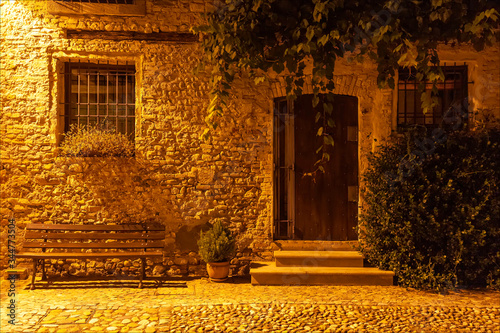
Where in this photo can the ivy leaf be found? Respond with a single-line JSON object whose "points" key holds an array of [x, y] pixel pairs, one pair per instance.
{"points": [[320, 131], [318, 116], [437, 3], [296, 34], [327, 139], [310, 33], [427, 101], [256, 5], [328, 107], [323, 40], [315, 101]]}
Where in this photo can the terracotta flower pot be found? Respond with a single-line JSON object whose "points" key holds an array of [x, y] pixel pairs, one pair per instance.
{"points": [[218, 271]]}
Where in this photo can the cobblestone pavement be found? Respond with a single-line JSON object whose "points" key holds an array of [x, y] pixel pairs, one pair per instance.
{"points": [[198, 305]]}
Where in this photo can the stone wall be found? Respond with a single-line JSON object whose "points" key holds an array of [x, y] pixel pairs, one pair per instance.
{"points": [[175, 178]]}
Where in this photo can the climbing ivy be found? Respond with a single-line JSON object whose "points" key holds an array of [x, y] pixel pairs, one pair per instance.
{"points": [[259, 37]]}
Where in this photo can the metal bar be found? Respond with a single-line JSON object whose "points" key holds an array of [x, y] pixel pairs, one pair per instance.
{"points": [[445, 96], [107, 94], [88, 92], [97, 94], [406, 102], [117, 93], [415, 102], [126, 97], [78, 92], [465, 87], [67, 95]]}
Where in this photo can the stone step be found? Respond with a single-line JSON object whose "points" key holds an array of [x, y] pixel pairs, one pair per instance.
{"points": [[266, 273], [293, 245], [318, 258]]}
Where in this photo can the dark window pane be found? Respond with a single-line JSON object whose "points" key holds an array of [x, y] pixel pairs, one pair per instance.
{"points": [[122, 110], [83, 110], [103, 110], [111, 110]]}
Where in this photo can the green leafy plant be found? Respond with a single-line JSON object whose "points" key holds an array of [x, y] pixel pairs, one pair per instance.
{"points": [[216, 244], [96, 141], [432, 210]]}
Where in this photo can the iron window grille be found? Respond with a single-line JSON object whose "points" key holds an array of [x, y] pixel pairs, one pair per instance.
{"points": [[101, 94], [122, 2], [452, 97]]}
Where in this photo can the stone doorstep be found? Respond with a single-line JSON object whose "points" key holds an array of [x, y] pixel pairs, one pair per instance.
{"points": [[300, 245], [267, 273], [20, 273], [318, 258]]}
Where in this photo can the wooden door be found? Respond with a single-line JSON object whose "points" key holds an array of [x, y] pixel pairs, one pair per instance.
{"points": [[323, 207]]}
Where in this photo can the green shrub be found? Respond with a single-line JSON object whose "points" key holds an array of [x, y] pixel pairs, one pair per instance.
{"points": [[432, 210], [95, 141], [217, 244]]}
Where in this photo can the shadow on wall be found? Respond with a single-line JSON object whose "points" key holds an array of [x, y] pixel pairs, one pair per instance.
{"points": [[120, 190], [186, 237]]}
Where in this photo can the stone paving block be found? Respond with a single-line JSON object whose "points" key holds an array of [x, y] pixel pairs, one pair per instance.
{"points": [[62, 317]]}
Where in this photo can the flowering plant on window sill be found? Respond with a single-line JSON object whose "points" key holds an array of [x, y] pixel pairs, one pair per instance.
{"points": [[95, 141]]}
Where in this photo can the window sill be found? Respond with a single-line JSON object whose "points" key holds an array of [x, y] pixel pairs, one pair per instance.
{"points": [[81, 8]]}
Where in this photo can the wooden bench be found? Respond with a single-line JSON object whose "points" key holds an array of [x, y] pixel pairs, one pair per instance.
{"points": [[85, 241]]}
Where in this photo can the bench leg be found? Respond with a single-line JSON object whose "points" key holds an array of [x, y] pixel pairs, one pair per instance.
{"points": [[35, 264], [143, 269], [44, 276]]}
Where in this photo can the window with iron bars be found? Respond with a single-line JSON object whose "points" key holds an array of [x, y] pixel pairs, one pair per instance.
{"points": [[101, 94], [124, 2], [452, 97]]}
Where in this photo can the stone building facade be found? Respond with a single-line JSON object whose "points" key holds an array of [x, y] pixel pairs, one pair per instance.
{"points": [[176, 178]]}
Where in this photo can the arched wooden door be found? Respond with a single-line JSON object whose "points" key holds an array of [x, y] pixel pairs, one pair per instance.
{"points": [[323, 207]]}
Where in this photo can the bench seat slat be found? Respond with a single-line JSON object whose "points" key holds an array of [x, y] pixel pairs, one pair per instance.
{"points": [[94, 235], [64, 255], [93, 245], [95, 227]]}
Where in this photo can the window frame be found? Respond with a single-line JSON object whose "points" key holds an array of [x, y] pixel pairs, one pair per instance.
{"points": [[127, 70], [460, 86]]}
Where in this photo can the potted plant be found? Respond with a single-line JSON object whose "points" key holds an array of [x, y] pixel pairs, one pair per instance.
{"points": [[216, 247]]}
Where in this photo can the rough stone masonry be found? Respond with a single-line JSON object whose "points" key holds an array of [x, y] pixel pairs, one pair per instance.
{"points": [[175, 177]]}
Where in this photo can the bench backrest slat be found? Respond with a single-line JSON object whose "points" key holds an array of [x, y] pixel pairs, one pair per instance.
{"points": [[85, 236], [34, 235], [94, 245]]}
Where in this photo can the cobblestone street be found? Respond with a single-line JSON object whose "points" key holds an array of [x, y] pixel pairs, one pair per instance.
{"points": [[236, 306]]}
